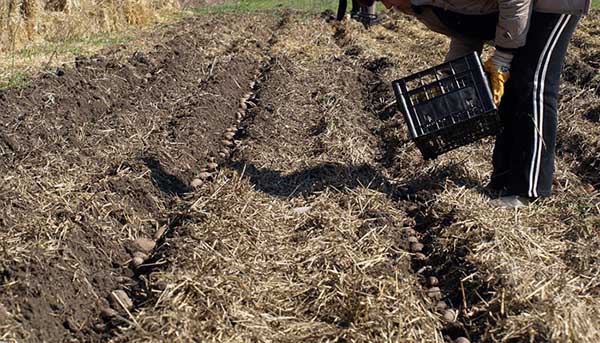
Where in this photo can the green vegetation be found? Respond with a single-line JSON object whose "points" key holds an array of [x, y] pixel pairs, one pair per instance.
{"points": [[269, 5], [74, 45], [596, 4], [17, 80]]}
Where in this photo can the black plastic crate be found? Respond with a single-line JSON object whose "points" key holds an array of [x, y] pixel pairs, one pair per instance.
{"points": [[447, 106]]}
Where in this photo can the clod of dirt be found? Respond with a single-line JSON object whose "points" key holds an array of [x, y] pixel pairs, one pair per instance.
{"points": [[108, 312], [461, 340], [196, 183], [416, 247], [434, 293], [229, 135], [204, 175], [450, 315], [243, 105], [121, 299], [227, 143], [144, 244], [420, 256], [413, 239], [212, 166], [433, 281], [441, 306], [232, 129]]}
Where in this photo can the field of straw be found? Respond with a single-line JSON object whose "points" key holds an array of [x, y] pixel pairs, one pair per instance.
{"points": [[245, 177], [34, 21]]}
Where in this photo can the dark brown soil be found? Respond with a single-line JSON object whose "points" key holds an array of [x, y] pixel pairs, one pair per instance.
{"points": [[124, 135]]}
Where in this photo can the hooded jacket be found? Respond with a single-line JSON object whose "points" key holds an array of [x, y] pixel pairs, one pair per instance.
{"points": [[513, 15]]}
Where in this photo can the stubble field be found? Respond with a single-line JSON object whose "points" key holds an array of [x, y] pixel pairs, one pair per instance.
{"points": [[245, 177]]}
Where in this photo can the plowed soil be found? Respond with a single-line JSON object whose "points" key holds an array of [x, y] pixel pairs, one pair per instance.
{"points": [[261, 160]]}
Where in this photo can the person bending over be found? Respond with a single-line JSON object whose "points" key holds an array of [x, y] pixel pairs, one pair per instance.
{"points": [[530, 40]]}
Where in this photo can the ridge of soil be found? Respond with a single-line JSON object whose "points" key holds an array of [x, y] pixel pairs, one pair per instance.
{"points": [[99, 173]]}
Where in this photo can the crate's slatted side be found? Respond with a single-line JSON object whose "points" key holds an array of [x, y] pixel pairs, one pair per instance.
{"points": [[447, 106], [409, 114]]}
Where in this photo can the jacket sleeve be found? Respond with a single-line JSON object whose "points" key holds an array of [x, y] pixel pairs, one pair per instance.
{"points": [[513, 23]]}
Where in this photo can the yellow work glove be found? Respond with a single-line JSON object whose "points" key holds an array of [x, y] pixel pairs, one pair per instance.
{"points": [[498, 67]]}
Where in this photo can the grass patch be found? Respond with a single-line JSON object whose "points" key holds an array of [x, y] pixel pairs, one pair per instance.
{"points": [[74, 45], [17, 80], [269, 5], [276, 6]]}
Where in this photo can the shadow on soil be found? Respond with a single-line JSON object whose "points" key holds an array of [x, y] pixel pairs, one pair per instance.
{"points": [[341, 177], [167, 183]]}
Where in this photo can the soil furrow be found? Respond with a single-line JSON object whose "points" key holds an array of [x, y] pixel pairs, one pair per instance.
{"points": [[108, 155]]}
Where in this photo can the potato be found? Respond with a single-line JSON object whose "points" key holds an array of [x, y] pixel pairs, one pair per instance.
{"points": [[435, 293], [144, 244], [196, 183], [204, 175], [212, 166], [136, 262], [107, 312], [433, 281], [141, 255], [121, 299], [413, 239], [441, 306], [416, 247], [450, 315]]}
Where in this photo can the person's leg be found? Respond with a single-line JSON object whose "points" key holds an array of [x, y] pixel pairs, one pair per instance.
{"points": [[355, 8], [462, 46], [524, 155], [501, 159]]}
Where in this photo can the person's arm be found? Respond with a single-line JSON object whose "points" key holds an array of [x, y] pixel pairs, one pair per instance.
{"points": [[513, 24], [511, 34], [461, 46]]}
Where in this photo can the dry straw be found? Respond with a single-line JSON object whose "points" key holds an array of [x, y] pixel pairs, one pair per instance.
{"points": [[33, 21]]}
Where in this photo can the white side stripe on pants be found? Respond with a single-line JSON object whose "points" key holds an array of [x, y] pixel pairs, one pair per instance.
{"points": [[538, 102]]}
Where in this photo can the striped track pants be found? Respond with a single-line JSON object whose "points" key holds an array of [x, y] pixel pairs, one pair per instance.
{"points": [[524, 152]]}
